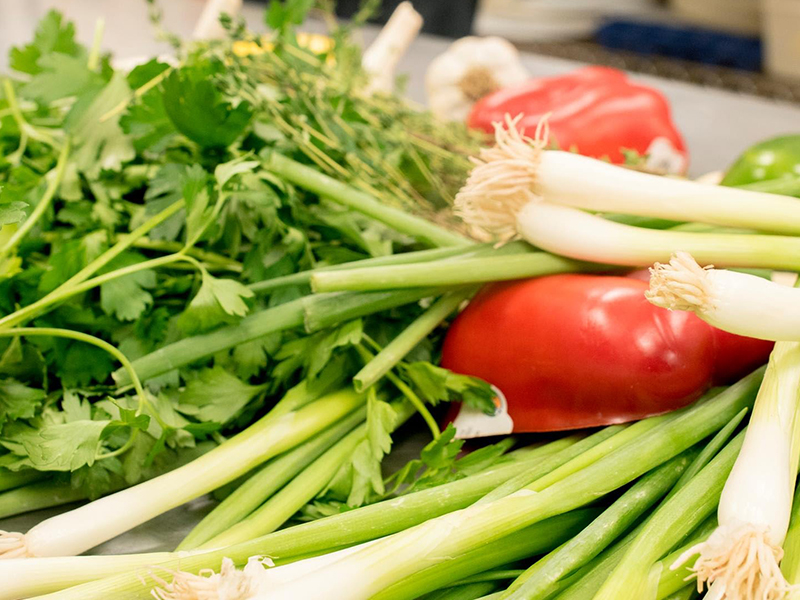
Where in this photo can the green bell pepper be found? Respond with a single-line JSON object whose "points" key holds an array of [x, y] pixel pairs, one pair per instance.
{"points": [[769, 160]]}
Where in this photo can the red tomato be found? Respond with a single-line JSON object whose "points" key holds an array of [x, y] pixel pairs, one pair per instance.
{"points": [[574, 351]]}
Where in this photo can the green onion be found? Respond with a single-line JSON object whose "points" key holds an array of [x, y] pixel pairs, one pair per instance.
{"points": [[318, 183], [84, 528], [635, 576], [469, 591], [418, 257], [402, 555], [603, 443], [538, 581], [441, 273], [14, 479], [530, 541], [736, 302], [581, 236], [37, 496], [302, 489], [342, 530], [266, 482], [519, 172], [741, 559], [673, 580]]}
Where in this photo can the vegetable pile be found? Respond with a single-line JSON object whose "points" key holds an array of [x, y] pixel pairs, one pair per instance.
{"points": [[233, 273]]}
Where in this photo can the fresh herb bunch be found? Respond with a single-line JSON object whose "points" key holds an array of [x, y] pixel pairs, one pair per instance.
{"points": [[137, 210]]}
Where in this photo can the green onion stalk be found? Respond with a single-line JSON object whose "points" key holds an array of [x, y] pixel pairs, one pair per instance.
{"points": [[530, 541], [266, 482], [587, 580], [742, 558], [450, 254], [468, 591], [400, 556], [578, 235], [303, 488], [81, 529], [613, 522], [101, 576], [14, 479], [638, 573]]}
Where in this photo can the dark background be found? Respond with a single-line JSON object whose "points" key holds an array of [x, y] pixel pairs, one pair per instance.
{"points": [[450, 18]]}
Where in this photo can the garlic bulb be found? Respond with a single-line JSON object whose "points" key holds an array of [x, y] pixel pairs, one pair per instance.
{"points": [[470, 69]]}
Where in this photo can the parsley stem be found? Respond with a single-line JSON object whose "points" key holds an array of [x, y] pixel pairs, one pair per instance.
{"points": [[406, 390], [412, 335], [447, 272], [210, 258], [42, 206], [94, 54], [14, 479], [35, 133], [314, 181]]}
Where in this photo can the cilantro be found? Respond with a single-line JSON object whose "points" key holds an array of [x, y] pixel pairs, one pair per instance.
{"points": [[216, 396], [218, 301]]}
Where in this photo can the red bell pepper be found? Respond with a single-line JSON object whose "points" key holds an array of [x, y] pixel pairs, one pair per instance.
{"points": [[595, 111], [574, 351]]}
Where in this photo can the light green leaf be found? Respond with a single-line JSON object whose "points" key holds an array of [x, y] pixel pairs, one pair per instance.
{"points": [[216, 396], [218, 301], [126, 297], [226, 171], [18, 401], [62, 447]]}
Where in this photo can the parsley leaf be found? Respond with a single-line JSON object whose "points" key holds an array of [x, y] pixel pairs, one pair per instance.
{"points": [[100, 145], [199, 111], [437, 384], [127, 297], [59, 447], [18, 401], [217, 302], [52, 35], [216, 396], [13, 212]]}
